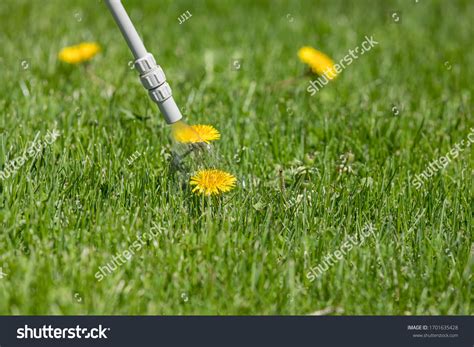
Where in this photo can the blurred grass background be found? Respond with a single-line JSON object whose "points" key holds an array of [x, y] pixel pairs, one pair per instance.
{"points": [[69, 211]]}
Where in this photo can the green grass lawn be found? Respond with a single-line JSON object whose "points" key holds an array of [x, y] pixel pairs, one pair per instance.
{"points": [[312, 170]]}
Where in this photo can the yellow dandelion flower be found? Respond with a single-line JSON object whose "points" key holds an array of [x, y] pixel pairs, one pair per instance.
{"points": [[319, 62], [79, 53], [195, 133], [209, 182]]}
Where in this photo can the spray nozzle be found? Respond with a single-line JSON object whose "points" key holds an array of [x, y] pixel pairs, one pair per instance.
{"points": [[151, 74]]}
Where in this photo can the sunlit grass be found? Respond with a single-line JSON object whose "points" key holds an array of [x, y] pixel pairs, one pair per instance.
{"points": [[311, 170]]}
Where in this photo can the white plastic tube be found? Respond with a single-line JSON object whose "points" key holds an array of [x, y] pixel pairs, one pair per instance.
{"points": [[151, 74], [127, 28]]}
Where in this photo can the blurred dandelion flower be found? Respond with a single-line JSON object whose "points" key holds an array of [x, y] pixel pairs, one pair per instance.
{"points": [[209, 182], [319, 62], [79, 53], [196, 133]]}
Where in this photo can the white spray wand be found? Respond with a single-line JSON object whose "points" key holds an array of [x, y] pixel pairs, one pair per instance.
{"points": [[151, 74]]}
